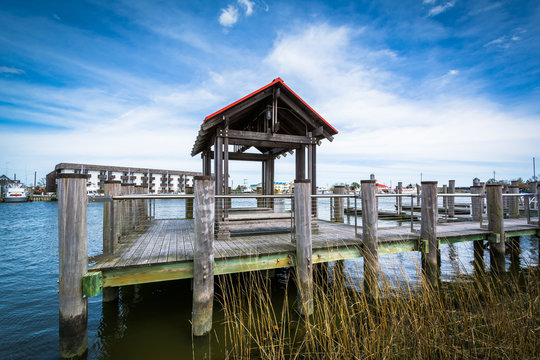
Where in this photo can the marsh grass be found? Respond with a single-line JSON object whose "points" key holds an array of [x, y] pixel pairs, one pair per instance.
{"points": [[480, 316]]}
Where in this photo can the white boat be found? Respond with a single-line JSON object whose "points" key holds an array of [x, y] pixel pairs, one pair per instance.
{"points": [[15, 193]]}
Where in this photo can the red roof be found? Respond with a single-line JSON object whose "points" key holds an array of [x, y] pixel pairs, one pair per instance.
{"points": [[275, 81]]}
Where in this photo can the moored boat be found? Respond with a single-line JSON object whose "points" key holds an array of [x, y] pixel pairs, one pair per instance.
{"points": [[15, 193]]}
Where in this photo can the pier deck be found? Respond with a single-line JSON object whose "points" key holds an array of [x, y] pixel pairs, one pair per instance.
{"points": [[164, 250]]}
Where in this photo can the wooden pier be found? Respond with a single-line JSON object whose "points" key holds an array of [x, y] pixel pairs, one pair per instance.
{"points": [[216, 239]]}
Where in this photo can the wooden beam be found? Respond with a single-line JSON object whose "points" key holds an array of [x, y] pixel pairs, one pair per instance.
{"points": [[305, 116], [263, 143], [235, 109], [257, 136], [245, 156]]}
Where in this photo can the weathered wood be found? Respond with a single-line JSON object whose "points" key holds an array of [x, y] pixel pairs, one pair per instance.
{"points": [[304, 263], [445, 199], [428, 231], [514, 201], [260, 136], [451, 199], [245, 156], [369, 237], [189, 203], [417, 195], [477, 209], [300, 163], [203, 256], [218, 173], [73, 264], [338, 215], [496, 226], [399, 199], [110, 230]]}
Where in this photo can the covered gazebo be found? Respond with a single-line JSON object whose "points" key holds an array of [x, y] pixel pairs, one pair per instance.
{"points": [[275, 122]]}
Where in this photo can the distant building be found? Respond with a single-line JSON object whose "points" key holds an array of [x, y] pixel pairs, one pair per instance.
{"points": [[279, 187], [157, 180]]}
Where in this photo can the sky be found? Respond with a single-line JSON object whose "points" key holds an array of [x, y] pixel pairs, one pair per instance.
{"points": [[424, 89]]}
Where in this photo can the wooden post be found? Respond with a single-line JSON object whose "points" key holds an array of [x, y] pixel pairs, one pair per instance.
{"points": [[428, 231], [399, 200], [417, 195], [514, 200], [477, 208], [369, 237], [304, 265], [110, 230], [189, 203], [538, 203], [132, 209], [124, 211], [451, 199], [445, 199], [301, 163], [338, 204], [496, 226], [73, 264], [203, 254]]}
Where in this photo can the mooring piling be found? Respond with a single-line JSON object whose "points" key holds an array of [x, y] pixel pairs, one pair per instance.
{"points": [[399, 200], [370, 217], [428, 231], [496, 226], [477, 209], [304, 264], [189, 203], [451, 200], [203, 255], [339, 212], [111, 188], [73, 264], [514, 200]]}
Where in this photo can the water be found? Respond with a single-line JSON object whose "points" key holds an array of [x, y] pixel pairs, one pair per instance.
{"points": [[152, 320]]}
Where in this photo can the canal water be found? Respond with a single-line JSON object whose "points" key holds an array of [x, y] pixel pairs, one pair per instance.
{"points": [[151, 321]]}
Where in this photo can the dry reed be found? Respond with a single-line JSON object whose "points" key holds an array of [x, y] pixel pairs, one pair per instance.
{"points": [[480, 316]]}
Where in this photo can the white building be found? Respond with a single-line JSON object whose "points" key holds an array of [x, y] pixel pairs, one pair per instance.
{"points": [[156, 180]]}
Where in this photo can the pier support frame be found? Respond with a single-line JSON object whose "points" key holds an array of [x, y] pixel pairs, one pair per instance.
{"points": [[428, 231], [110, 229], [203, 254], [496, 226], [514, 200], [304, 263], [369, 237], [73, 264]]}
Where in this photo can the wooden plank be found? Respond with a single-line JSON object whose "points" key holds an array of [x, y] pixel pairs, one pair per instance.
{"points": [[260, 136]]}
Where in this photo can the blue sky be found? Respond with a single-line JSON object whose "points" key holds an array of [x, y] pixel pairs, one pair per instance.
{"points": [[449, 89]]}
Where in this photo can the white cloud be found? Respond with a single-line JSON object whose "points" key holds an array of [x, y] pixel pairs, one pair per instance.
{"points": [[248, 5], [441, 132], [229, 16], [439, 9], [10, 70]]}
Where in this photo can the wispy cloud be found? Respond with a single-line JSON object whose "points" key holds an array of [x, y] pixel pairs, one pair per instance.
{"points": [[10, 70], [248, 6], [505, 41], [439, 9], [228, 16]]}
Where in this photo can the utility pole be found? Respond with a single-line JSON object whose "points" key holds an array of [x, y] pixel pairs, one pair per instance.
{"points": [[534, 169]]}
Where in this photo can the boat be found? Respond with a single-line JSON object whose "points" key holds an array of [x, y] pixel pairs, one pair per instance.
{"points": [[15, 193]]}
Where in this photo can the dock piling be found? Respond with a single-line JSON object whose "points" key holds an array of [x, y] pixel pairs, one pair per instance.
{"points": [[189, 203], [451, 199], [338, 204], [203, 256], [304, 264], [514, 201], [369, 237], [73, 264], [477, 208], [399, 200], [496, 226], [111, 189], [428, 231]]}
